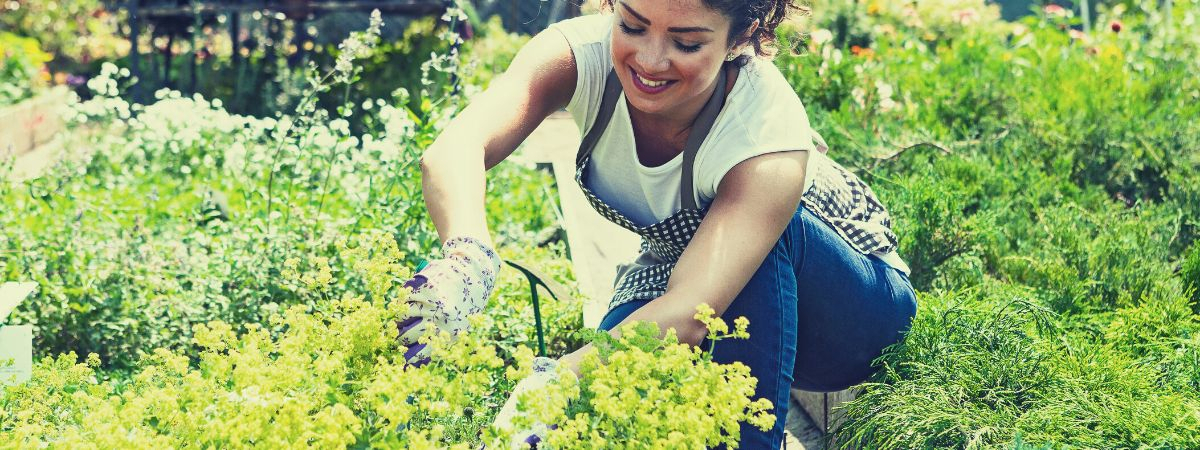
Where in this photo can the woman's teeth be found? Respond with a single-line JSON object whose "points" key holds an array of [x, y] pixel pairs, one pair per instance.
{"points": [[651, 83]]}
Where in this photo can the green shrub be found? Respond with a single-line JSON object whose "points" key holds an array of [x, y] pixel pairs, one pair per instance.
{"points": [[1102, 399], [75, 32], [967, 369], [978, 368], [937, 215], [331, 375], [1189, 272], [1128, 119], [1162, 334], [1087, 261], [21, 65], [1062, 165]]}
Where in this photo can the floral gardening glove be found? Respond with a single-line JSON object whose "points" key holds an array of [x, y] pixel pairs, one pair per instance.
{"points": [[545, 371], [447, 291]]}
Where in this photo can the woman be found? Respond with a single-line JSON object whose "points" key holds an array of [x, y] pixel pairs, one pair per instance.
{"points": [[695, 141]]}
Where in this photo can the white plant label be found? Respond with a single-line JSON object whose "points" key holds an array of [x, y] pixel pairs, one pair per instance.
{"points": [[12, 294], [16, 341], [16, 354]]}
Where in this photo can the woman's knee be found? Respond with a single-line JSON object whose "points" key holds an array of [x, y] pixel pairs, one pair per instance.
{"points": [[617, 315]]}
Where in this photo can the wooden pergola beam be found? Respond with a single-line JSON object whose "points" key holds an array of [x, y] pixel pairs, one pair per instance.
{"points": [[412, 7]]}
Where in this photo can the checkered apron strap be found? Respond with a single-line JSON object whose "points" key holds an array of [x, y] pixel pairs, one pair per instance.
{"points": [[700, 128], [612, 92], [703, 124]]}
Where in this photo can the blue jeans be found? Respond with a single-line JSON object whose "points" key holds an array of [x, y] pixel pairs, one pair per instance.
{"points": [[819, 313]]}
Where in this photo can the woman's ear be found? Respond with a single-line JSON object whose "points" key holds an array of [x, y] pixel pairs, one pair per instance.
{"points": [[743, 40]]}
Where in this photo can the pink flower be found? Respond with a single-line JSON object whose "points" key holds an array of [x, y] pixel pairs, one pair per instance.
{"points": [[966, 16], [1076, 34], [1055, 10]]}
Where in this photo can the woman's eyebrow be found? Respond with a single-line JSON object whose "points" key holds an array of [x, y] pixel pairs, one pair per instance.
{"points": [[672, 29]]}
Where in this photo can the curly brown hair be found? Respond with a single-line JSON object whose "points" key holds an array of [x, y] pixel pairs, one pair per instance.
{"points": [[742, 14]]}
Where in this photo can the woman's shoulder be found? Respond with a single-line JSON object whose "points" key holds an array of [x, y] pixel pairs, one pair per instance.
{"points": [[590, 39], [764, 109], [766, 92], [763, 115], [592, 29]]}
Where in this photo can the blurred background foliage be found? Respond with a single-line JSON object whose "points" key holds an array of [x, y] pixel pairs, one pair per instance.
{"points": [[1042, 170]]}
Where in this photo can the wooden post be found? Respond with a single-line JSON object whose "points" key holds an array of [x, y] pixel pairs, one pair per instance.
{"points": [[299, 38], [1085, 11], [1167, 6], [167, 57], [235, 31], [235, 38], [197, 28], [557, 11], [134, 57], [516, 14], [152, 56]]}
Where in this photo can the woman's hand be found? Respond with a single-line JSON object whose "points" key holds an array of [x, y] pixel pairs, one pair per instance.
{"points": [[447, 291], [545, 371]]}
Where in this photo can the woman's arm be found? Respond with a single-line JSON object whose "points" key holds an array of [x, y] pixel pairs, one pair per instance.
{"points": [[540, 80], [755, 202]]}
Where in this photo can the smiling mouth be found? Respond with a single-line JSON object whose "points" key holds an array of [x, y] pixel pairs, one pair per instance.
{"points": [[648, 85]]}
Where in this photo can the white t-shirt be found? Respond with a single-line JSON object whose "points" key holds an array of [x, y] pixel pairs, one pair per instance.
{"points": [[762, 114]]}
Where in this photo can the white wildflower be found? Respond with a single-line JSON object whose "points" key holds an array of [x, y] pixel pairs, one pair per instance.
{"points": [[884, 89], [860, 97], [340, 126], [887, 104], [454, 13], [822, 36], [358, 45]]}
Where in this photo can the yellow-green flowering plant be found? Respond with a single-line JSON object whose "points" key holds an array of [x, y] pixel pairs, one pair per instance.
{"points": [[640, 391], [332, 375], [332, 378]]}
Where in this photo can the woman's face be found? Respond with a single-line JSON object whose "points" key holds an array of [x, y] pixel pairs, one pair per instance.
{"points": [[667, 53]]}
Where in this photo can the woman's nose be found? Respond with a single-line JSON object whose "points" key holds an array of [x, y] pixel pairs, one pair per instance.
{"points": [[653, 59]]}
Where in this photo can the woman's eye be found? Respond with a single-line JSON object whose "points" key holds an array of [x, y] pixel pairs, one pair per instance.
{"points": [[638, 32], [627, 30]]}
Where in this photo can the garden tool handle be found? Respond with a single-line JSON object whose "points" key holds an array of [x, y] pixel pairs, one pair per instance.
{"points": [[534, 277]]}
